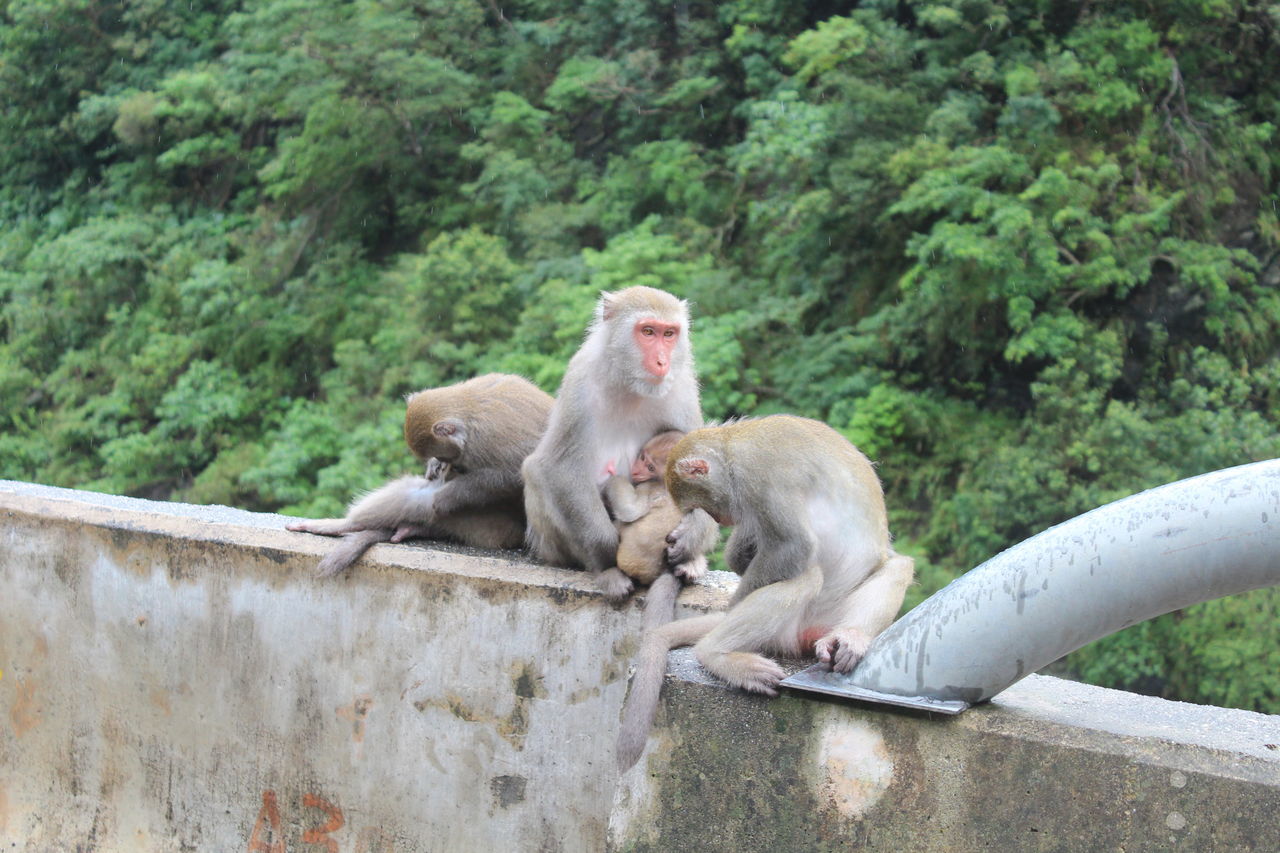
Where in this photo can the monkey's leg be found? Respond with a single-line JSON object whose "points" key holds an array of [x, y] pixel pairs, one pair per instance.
{"points": [[869, 611], [324, 526], [403, 501], [769, 617]]}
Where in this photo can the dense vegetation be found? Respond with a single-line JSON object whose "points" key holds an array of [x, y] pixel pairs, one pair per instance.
{"points": [[1022, 253]]}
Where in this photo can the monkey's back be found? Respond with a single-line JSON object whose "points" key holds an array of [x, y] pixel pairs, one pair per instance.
{"points": [[642, 544], [792, 459], [505, 416]]}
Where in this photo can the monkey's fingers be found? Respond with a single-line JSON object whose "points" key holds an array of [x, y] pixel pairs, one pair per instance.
{"points": [[691, 571]]}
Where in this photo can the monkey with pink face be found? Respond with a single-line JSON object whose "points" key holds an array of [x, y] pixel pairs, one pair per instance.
{"points": [[632, 378]]}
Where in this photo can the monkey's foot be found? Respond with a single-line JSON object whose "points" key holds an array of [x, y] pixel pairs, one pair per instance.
{"points": [[753, 673], [842, 648], [614, 584], [322, 526]]}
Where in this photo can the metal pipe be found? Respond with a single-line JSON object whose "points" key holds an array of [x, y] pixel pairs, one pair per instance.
{"points": [[1160, 550]]}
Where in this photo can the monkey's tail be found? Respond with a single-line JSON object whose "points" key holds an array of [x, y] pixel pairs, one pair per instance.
{"points": [[651, 667], [352, 546], [662, 633]]}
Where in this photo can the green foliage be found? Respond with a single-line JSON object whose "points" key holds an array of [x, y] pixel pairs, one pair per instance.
{"points": [[1026, 255]]}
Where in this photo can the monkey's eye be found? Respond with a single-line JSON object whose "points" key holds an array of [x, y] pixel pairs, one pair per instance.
{"points": [[647, 331], [669, 333]]}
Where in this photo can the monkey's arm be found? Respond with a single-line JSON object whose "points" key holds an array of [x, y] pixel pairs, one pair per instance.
{"points": [[740, 550], [625, 500], [784, 549], [476, 488]]}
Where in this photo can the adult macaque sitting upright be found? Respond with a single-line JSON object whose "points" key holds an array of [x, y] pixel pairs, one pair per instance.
{"points": [[631, 379]]}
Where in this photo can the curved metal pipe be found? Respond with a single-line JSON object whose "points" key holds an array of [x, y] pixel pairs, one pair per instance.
{"points": [[1131, 560]]}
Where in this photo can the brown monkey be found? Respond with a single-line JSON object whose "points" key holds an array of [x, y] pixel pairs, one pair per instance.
{"points": [[473, 437], [644, 513], [811, 542], [632, 378]]}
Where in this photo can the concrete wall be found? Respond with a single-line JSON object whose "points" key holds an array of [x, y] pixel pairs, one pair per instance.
{"points": [[173, 678]]}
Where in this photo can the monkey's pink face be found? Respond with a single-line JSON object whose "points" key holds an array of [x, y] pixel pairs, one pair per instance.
{"points": [[643, 469], [656, 340]]}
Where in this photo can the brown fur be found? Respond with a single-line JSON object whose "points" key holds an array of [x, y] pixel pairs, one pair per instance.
{"points": [[473, 437], [811, 543]]}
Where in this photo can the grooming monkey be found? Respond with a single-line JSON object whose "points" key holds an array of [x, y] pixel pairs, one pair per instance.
{"points": [[473, 437], [811, 542], [644, 513], [632, 378]]}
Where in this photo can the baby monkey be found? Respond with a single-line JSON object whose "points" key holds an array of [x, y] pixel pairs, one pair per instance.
{"points": [[644, 513]]}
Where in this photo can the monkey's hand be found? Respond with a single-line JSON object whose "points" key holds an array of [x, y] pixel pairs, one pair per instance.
{"points": [[842, 648], [614, 584], [695, 535], [691, 571]]}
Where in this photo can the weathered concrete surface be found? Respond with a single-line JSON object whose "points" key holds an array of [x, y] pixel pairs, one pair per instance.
{"points": [[173, 678], [1048, 765]]}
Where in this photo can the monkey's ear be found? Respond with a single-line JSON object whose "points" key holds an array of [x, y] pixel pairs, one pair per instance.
{"points": [[691, 468], [608, 305], [447, 428]]}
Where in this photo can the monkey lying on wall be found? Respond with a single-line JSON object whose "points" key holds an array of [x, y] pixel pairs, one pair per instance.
{"points": [[473, 437], [810, 541], [632, 378]]}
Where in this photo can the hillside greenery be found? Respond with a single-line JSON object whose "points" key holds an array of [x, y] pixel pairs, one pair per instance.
{"points": [[1025, 254]]}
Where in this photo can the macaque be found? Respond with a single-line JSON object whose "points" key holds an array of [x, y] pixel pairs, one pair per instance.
{"points": [[632, 378], [811, 542], [643, 511], [472, 437]]}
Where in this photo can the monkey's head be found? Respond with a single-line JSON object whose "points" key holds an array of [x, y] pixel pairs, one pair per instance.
{"points": [[651, 463], [646, 335], [698, 475], [444, 440], [430, 427]]}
